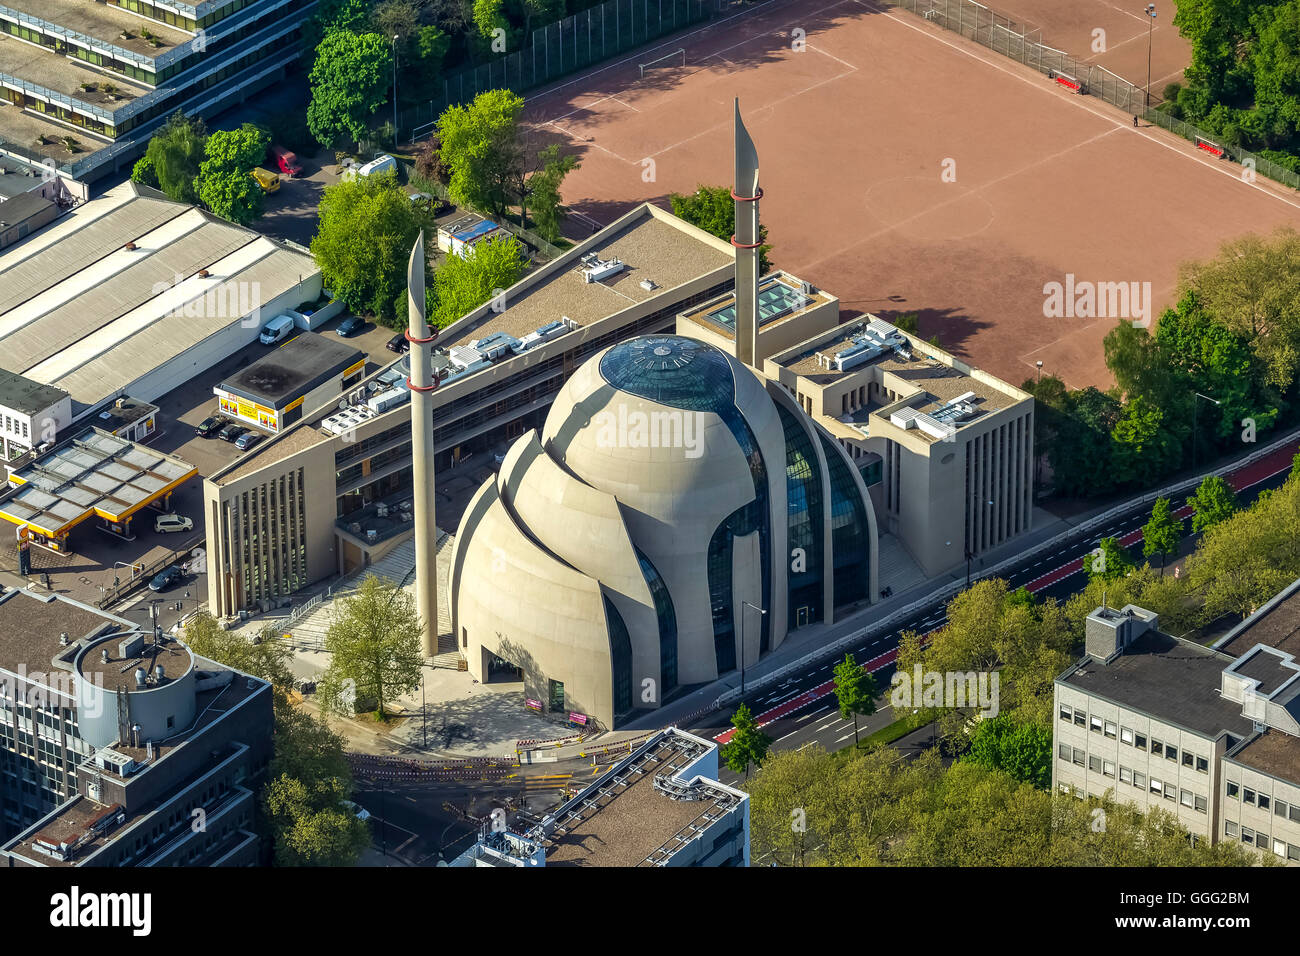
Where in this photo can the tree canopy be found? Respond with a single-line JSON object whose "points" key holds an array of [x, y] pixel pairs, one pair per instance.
{"points": [[374, 643], [463, 283], [350, 79], [363, 243]]}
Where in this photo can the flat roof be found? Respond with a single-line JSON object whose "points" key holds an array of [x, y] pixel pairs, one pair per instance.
{"points": [[1276, 624], [633, 823], [30, 625], [1271, 752], [94, 473], [119, 672], [649, 248], [65, 74], [304, 362], [25, 396], [80, 310], [651, 243], [1171, 680], [780, 299], [1267, 666], [103, 22], [21, 208]]}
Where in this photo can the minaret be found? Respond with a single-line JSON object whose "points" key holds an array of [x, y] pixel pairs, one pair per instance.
{"points": [[746, 194], [422, 383]]}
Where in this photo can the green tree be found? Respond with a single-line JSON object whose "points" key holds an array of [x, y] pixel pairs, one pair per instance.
{"points": [[350, 80], [1108, 562], [1213, 502], [712, 209], [175, 153], [748, 745], [1253, 288], [143, 172], [367, 227], [309, 778], [489, 16], [312, 825], [855, 691], [480, 144], [1019, 748], [1162, 534], [1082, 447], [462, 284], [374, 643], [329, 16], [225, 184], [542, 188]]}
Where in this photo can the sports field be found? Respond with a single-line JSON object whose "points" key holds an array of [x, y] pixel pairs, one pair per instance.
{"points": [[855, 133]]}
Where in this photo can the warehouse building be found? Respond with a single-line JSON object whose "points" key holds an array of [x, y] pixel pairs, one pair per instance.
{"points": [[132, 294]]}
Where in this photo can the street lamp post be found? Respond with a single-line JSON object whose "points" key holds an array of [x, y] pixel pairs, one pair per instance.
{"points": [[1151, 22], [395, 36], [1039, 379], [1196, 434], [743, 606]]}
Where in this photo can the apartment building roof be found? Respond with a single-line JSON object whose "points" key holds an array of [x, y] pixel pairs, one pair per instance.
{"points": [[1271, 752], [1276, 624], [65, 74], [629, 817], [128, 282], [1171, 680], [104, 22]]}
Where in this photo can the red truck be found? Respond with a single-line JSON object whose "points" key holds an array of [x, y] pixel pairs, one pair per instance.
{"points": [[284, 160]]}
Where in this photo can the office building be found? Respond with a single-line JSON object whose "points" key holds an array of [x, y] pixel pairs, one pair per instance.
{"points": [[90, 82], [1210, 734], [119, 748]]}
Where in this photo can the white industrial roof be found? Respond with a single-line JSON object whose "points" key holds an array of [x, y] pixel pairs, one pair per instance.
{"points": [[80, 310]]}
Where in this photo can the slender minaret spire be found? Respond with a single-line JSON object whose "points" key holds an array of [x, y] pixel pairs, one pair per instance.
{"points": [[746, 194], [422, 384]]}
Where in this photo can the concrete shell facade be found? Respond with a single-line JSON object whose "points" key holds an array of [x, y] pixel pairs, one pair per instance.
{"points": [[614, 553]]}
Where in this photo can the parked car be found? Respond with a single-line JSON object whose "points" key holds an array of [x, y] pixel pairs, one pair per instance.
{"points": [[350, 326], [284, 160], [209, 427], [166, 579], [247, 440], [398, 343], [277, 330], [268, 180], [166, 524], [231, 432], [361, 813]]}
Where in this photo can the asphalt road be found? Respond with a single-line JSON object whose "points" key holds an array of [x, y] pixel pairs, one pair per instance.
{"points": [[800, 711]]}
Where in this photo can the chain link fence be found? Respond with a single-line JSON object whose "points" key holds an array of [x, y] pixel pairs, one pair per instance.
{"points": [[1023, 43], [561, 48]]}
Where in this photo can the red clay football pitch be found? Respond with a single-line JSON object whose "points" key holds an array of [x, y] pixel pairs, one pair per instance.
{"points": [[907, 169]]}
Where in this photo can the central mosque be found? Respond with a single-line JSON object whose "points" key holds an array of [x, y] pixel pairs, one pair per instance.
{"points": [[677, 516]]}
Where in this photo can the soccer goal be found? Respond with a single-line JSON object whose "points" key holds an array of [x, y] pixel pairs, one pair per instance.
{"points": [[676, 58]]}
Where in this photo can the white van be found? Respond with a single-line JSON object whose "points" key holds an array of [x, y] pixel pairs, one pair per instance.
{"points": [[277, 330], [383, 163]]}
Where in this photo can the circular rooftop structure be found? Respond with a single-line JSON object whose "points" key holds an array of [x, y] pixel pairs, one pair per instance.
{"points": [[671, 370]]}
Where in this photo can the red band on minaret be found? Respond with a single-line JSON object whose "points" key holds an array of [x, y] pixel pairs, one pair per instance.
{"points": [[415, 341], [744, 245], [420, 388], [748, 198]]}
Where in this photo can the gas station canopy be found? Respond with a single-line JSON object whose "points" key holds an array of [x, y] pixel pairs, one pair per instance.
{"points": [[93, 474]]}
